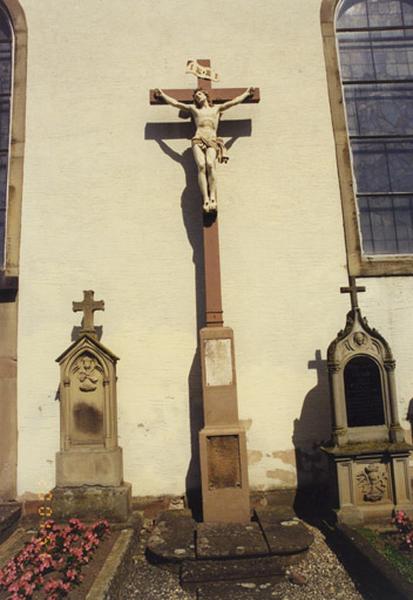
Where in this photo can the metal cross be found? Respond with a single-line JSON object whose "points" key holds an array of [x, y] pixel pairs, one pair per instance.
{"points": [[352, 289], [88, 306]]}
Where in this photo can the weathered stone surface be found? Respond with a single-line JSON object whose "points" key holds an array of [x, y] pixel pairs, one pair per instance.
{"points": [[9, 517], [283, 532], [224, 462], [200, 571], [229, 540], [244, 590], [92, 501], [288, 537], [173, 537], [274, 515]]}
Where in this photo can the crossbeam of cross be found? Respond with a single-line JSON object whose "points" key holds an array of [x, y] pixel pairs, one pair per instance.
{"points": [[352, 289], [217, 95]]}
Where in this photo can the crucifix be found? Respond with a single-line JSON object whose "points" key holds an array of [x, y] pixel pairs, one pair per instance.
{"points": [[88, 306], [207, 148], [352, 289], [222, 441]]}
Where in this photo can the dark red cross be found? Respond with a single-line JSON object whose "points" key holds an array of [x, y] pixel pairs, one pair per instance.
{"points": [[213, 296]]}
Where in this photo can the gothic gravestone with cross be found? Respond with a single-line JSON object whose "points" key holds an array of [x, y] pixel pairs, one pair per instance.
{"points": [[223, 450], [89, 452], [368, 454]]}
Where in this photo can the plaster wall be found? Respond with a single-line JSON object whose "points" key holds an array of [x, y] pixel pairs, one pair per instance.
{"points": [[108, 207]]}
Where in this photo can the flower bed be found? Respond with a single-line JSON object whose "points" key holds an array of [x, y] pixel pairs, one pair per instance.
{"points": [[50, 564]]}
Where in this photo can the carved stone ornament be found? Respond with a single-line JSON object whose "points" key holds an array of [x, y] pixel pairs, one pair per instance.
{"points": [[372, 482], [88, 371], [357, 337]]}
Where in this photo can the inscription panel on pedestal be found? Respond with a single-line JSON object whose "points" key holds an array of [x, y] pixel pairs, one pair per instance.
{"points": [[224, 462], [218, 362]]}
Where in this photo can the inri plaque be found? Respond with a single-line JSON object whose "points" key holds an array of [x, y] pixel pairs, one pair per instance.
{"points": [[224, 463]]}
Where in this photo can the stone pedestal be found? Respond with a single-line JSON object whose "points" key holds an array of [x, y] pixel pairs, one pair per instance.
{"points": [[223, 449], [96, 466], [90, 502]]}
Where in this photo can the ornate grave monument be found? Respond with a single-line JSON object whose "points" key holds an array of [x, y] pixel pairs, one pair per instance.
{"points": [[89, 471], [368, 455], [224, 473]]}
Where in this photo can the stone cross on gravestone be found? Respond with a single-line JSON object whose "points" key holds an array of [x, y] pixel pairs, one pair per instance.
{"points": [[352, 289], [88, 306]]}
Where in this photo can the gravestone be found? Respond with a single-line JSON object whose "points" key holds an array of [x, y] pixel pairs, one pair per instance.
{"points": [[369, 457], [89, 470]]}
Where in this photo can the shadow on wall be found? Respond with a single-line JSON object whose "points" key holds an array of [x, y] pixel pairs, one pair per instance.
{"points": [[191, 206], [312, 430]]}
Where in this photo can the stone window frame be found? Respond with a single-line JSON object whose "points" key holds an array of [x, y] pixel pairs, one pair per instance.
{"points": [[359, 265], [10, 270]]}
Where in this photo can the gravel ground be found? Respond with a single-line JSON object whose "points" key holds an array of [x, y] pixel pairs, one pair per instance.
{"points": [[320, 576]]}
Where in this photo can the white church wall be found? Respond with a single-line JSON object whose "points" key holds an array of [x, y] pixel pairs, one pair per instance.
{"points": [[102, 211]]}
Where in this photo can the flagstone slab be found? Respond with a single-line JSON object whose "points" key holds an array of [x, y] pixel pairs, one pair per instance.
{"points": [[201, 571], [229, 540], [173, 537]]}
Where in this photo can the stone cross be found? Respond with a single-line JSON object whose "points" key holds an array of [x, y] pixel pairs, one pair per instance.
{"points": [[88, 306], [352, 289], [213, 296]]}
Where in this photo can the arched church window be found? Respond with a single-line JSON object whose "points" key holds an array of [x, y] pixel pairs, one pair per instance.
{"points": [[375, 47], [6, 64]]}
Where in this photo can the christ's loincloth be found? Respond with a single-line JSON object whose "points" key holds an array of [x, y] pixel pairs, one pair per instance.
{"points": [[216, 143]]}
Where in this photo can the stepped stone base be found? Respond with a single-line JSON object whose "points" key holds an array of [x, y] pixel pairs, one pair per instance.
{"points": [[211, 552], [92, 502]]}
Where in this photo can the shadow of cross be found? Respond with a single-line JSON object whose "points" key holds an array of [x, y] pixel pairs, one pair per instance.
{"points": [[213, 296], [88, 306]]}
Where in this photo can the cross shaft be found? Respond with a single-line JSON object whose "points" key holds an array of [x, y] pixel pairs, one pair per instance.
{"points": [[88, 306], [352, 289]]}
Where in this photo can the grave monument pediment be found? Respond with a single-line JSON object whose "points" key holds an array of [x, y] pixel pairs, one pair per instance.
{"points": [[358, 338]]}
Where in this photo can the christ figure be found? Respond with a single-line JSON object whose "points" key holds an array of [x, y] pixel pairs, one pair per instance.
{"points": [[207, 147]]}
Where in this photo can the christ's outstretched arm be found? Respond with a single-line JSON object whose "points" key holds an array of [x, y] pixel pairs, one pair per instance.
{"points": [[248, 92], [172, 101]]}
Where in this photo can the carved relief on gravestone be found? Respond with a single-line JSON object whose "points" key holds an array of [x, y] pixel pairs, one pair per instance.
{"points": [[372, 482], [87, 400], [88, 372]]}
